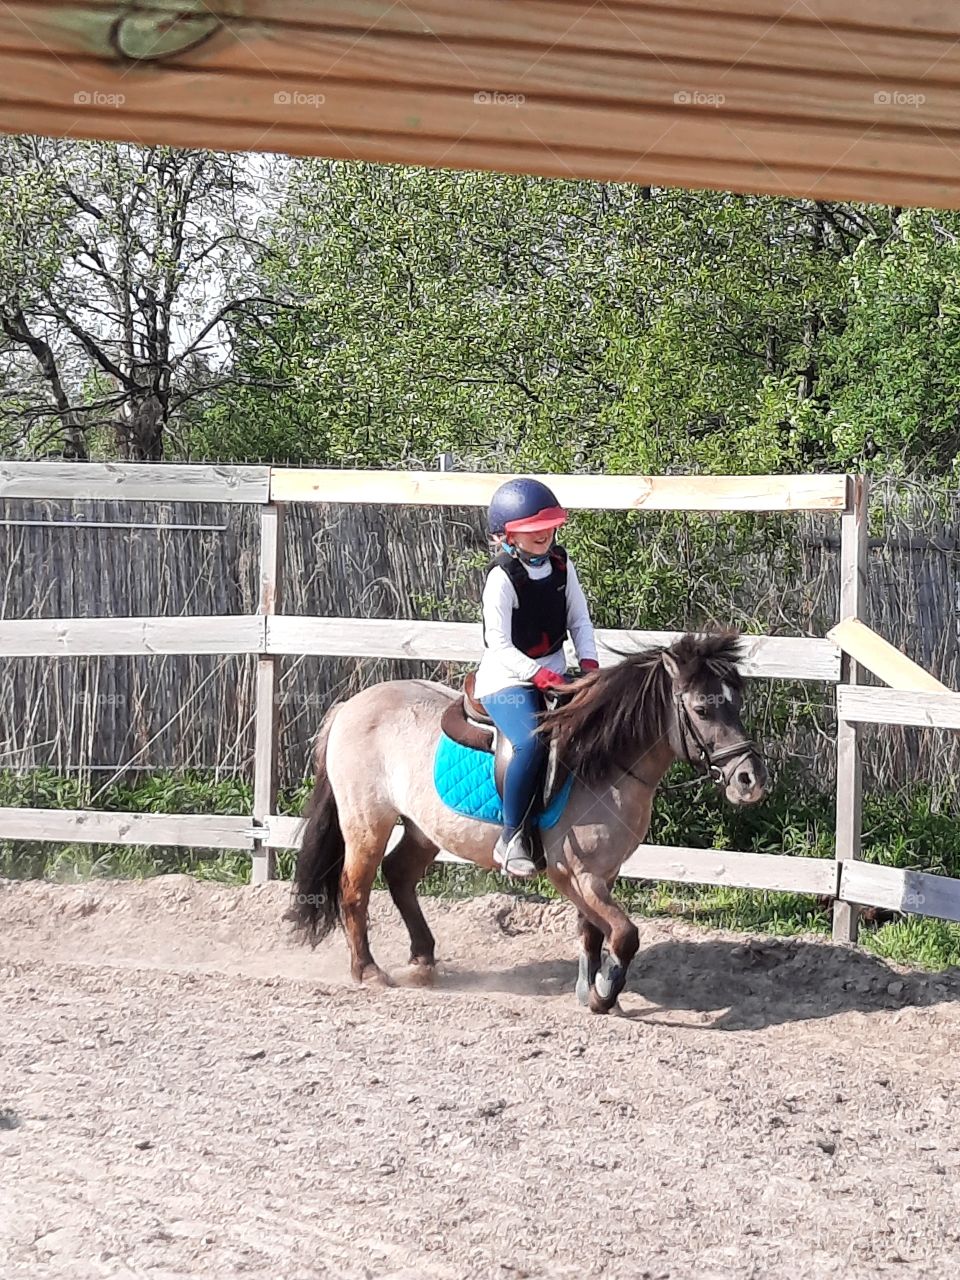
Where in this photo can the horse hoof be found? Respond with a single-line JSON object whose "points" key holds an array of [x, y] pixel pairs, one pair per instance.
{"points": [[600, 1004], [416, 975], [373, 976], [583, 991]]}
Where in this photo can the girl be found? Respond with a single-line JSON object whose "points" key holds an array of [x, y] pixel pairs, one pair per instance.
{"points": [[531, 600]]}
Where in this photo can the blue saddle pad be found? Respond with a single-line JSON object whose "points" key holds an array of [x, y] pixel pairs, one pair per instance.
{"points": [[465, 782]]}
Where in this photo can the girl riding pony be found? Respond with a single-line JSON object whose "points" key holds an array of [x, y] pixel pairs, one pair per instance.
{"points": [[532, 599]]}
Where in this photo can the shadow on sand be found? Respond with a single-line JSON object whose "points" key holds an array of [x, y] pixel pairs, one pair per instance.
{"points": [[748, 985]]}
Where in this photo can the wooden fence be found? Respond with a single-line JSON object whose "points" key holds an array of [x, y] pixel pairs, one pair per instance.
{"points": [[269, 635]]}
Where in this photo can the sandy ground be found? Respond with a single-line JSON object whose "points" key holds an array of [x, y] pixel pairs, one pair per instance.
{"points": [[183, 1092]]}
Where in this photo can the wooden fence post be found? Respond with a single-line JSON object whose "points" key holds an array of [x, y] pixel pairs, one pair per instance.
{"points": [[853, 582], [267, 714]]}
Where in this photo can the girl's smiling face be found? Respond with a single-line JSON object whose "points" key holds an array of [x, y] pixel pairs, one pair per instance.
{"points": [[534, 544]]}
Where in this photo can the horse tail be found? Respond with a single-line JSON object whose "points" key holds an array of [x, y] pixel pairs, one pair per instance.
{"points": [[316, 880]]}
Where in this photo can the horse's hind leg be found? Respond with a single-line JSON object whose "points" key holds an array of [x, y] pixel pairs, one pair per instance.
{"points": [[364, 843], [403, 868]]}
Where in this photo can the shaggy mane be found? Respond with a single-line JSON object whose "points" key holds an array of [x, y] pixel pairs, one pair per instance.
{"points": [[618, 712]]}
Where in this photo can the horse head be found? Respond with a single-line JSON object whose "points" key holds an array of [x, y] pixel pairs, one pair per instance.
{"points": [[681, 701], [706, 692]]}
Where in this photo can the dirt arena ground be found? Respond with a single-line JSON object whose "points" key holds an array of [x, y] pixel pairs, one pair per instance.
{"points": [[183, 1092]]}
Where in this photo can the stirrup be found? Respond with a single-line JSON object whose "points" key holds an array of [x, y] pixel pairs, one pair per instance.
{"points": [[513, 857]]}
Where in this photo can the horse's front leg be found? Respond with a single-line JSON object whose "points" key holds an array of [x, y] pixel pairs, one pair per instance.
{"points": [[591, 956], [592, 897]]}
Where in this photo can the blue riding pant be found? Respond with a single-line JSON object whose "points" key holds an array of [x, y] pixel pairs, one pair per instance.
{"points": [[514, 711]]}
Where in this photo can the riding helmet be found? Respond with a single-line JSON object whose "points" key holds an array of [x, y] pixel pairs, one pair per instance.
{"points": [[524, 505]]}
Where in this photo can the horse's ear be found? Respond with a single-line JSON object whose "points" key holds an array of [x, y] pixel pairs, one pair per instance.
{"points": [[671, 664]]}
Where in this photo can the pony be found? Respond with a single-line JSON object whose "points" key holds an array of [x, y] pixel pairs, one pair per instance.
{"points": [[617, 733]]}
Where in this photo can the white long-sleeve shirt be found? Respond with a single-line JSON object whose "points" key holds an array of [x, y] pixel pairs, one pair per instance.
{"points": [[502, 664]]}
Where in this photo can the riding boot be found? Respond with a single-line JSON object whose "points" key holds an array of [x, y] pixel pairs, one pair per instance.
{"points": [[512, 854]]}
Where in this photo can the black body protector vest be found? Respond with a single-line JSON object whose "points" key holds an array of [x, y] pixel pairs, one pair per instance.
{"points": [[539, 625]]}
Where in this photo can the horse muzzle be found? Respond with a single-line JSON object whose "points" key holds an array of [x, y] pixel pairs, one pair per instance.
{"points": [[746, 781]]}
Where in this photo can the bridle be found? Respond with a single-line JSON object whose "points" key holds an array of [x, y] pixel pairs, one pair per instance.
{"points": [[706, 762]]}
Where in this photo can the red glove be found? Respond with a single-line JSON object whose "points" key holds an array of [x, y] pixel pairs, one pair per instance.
{"points": [[589, 664], [544, 678]]}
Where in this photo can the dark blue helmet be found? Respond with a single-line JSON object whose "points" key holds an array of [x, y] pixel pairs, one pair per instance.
{"points": [[524, 506]]}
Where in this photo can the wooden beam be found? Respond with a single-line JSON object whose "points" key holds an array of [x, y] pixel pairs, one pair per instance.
{"points": [[93, 826], [772, 872], [857, 104], [866, 705], [854, 544], [267, 710], [882, 658], [655, 168], [143, 481], [606, 492], [767, 657], [772, 657], [912, 892], [189, 483], [102, 637]]}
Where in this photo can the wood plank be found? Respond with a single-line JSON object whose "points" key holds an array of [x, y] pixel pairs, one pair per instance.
{"points": [[375, 638], [858, 18], [786, 874], [882, 658], [771, 657], [147, 482], [640, 60], [854, 544], [75, 637], [89, 826], [648, 164], [866, 705], [267, 705], [810, 128], [768, 657], [282, 832], [912, 892], [769, 871], [813, 36], [606, 492]]}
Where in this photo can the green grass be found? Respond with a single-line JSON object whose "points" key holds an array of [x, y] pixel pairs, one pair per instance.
{"points": [[900, 830]]}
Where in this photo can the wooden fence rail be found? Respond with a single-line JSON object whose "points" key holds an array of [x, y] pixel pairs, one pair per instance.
{"points": [[269, 636]]}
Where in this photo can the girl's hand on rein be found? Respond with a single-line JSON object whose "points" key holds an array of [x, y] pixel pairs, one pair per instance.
{"points": [[544, 678]]}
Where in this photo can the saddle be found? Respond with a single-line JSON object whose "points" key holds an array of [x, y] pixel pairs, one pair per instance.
{"points": [[466, 722]]}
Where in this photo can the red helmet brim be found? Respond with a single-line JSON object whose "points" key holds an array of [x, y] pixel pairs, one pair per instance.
{"points": [[548, 518]]}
